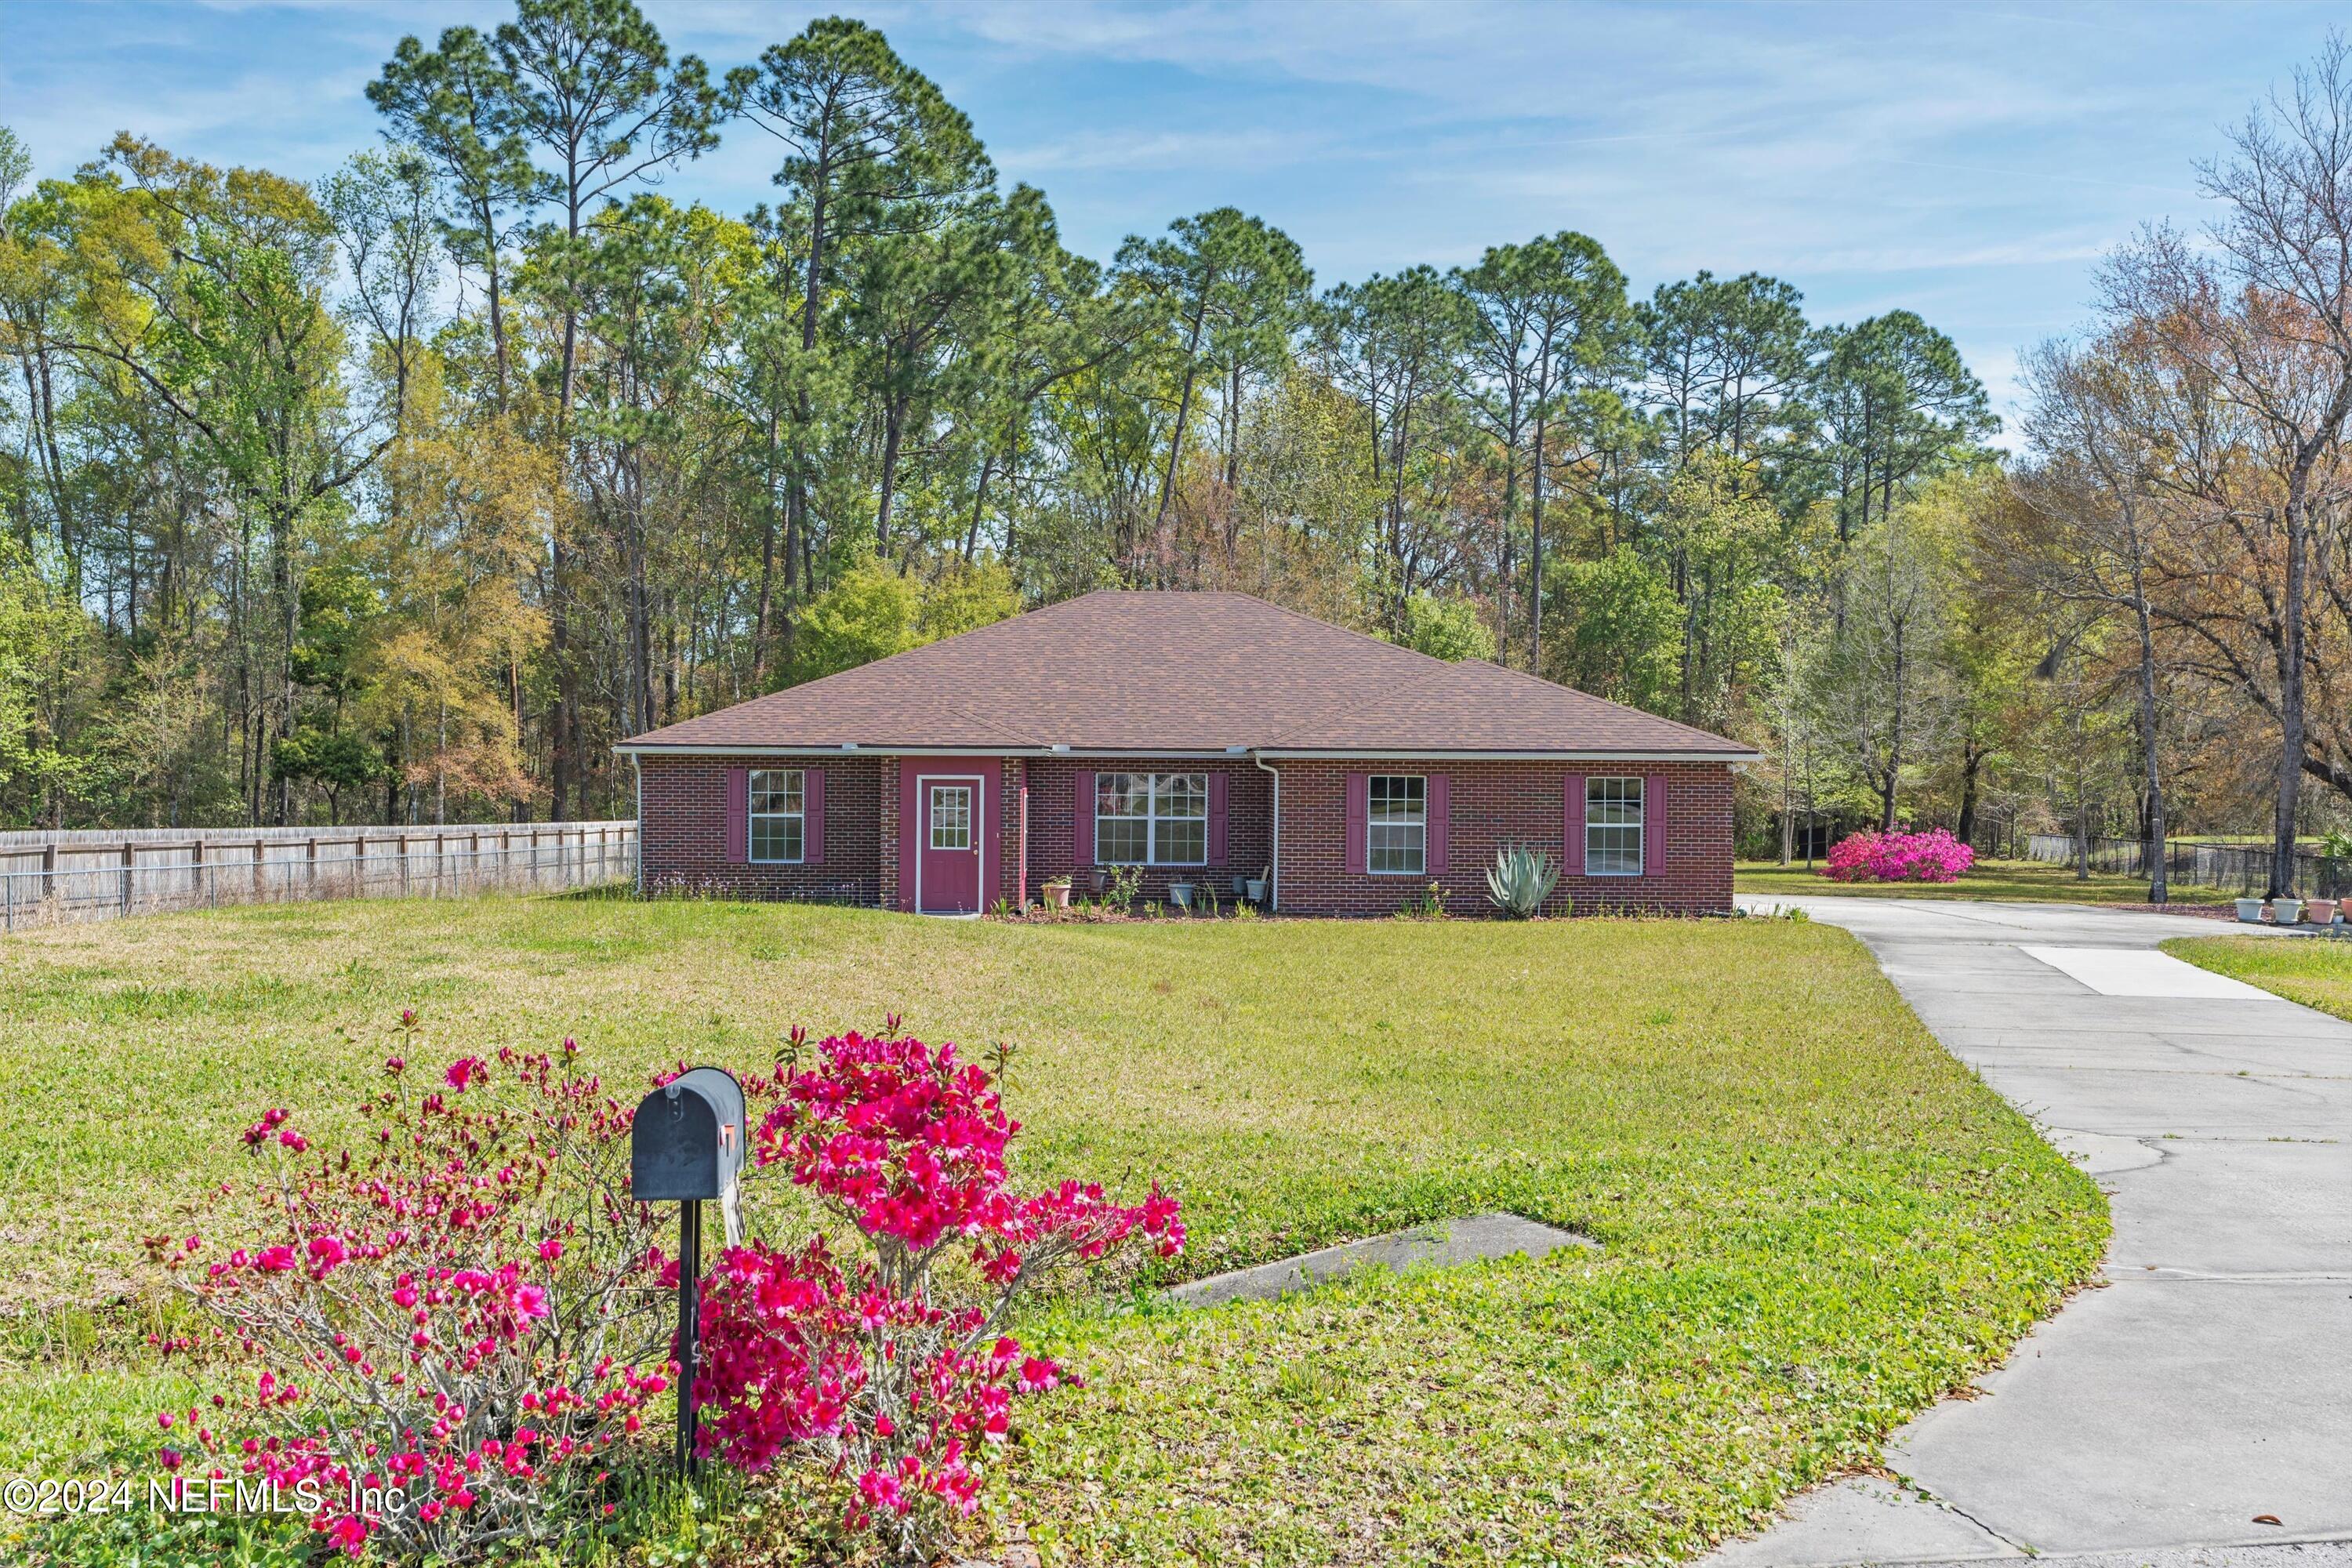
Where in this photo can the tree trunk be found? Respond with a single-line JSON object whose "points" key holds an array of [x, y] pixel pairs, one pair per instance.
{"points": [[894, 425], [764, 606], [1183, 412], [2292, 742], [1972, 764], [2158, 837]]}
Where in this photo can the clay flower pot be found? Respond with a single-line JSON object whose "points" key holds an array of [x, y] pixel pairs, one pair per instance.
{"points": [[1058, 894], [2320, 911]]}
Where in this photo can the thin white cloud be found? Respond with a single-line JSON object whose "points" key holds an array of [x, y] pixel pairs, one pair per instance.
{"points": [[1142, 150]]}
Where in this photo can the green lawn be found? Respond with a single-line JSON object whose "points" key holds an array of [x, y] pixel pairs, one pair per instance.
{"points": [[2020, 881], [1812, 1220], [2315, 973]]}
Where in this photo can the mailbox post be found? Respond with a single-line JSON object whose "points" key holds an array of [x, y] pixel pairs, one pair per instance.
{"points": [[687, 1146]]}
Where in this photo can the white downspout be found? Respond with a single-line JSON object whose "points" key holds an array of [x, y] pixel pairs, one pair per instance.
{"points": [[1273, 862], [638, 768]]}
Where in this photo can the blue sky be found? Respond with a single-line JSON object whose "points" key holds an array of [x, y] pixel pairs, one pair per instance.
{"points": [[1970, 162]]}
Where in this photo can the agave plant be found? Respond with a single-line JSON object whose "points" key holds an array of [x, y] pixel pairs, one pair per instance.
{"points": [[1520, 879]]}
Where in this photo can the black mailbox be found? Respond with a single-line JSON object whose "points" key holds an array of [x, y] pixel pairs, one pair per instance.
{"points": [[689, 1139], [687, 1146]]}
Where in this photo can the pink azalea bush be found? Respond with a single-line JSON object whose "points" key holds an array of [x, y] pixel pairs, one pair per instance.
{"points": [[1932, 856], [890, 1368], [463, 1309]]}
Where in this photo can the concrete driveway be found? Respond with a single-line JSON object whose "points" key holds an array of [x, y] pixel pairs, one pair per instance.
{"points": [[2209, 1383]]}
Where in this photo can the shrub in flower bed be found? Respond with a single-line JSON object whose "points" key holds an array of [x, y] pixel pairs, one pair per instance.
{"points": [[891, 1367], [463, 1311], [1931, 856]]}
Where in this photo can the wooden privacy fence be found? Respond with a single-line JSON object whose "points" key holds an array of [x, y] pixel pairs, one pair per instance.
{"points": [[101, 874]]}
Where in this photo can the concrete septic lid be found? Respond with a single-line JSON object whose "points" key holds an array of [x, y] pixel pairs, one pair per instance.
{"points": [[1448, 1242]]}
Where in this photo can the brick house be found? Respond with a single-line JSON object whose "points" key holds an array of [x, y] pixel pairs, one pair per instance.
{"points": [[1208, 739]]}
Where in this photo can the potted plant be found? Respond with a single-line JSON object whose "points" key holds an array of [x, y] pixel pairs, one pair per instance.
{"points": [[2250, 910], [1180, 895], [1058, 892], [2320, 911], [2286, 910]]}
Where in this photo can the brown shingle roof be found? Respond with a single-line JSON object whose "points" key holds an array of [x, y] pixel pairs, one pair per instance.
{"points": [[1183, 672]]}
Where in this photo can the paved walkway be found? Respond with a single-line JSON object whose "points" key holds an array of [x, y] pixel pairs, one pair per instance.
{"points": [[2210, 1382]]}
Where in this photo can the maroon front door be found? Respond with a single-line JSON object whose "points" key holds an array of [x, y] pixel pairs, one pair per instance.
{"points": [[948, 880]]}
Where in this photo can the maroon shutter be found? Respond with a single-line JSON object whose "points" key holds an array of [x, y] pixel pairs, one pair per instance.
{"points": [[1654, 825], [1217, 783], [1571, 843], [1441, 810], [1082, 828], [1360, 793], [813, 816], [739, 815]]}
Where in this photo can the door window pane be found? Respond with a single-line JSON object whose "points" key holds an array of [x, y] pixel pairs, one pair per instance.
{"points": [[951, 816]]}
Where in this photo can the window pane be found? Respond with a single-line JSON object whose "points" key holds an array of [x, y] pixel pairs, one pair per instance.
{"points": [[1612, 850], [776, 789], [1184, 842], [1396, 798], [1612, 801], [776, 838], [951, 816], [1180, 795], [1394, 847], [1122, 794], [1121, 840]]}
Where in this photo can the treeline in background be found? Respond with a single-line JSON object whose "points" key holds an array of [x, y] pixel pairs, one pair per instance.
{"points": [[401, 494]]}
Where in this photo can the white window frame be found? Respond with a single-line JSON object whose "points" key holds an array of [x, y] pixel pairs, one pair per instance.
{"points": [[1420, 867], [794, 785], [931, 820], [1153, 817], [1638, 799]]}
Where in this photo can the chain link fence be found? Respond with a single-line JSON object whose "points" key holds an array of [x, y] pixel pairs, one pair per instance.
{"points": [[2242, 867]]}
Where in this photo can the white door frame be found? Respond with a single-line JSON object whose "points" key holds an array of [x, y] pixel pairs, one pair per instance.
{"points": [[923, 832]]}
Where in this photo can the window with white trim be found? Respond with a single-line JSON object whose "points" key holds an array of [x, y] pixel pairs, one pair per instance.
{"points": [[779, 815], [951, 816], [1612, 827], [1396, 825], [1151, 819]]}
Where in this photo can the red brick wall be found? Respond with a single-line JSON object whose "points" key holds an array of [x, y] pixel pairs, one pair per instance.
{"points": [[684, 831], [1493, 803], [1052, 802]]}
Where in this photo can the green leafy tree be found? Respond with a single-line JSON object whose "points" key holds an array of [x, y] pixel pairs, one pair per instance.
{"points": [[1450, 629], [1395, 344], [460, 109], [1620, 630], [1895, 403], [1725, 361], [872, 149], [1551, 325], [870, 612], [594, 93]]}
